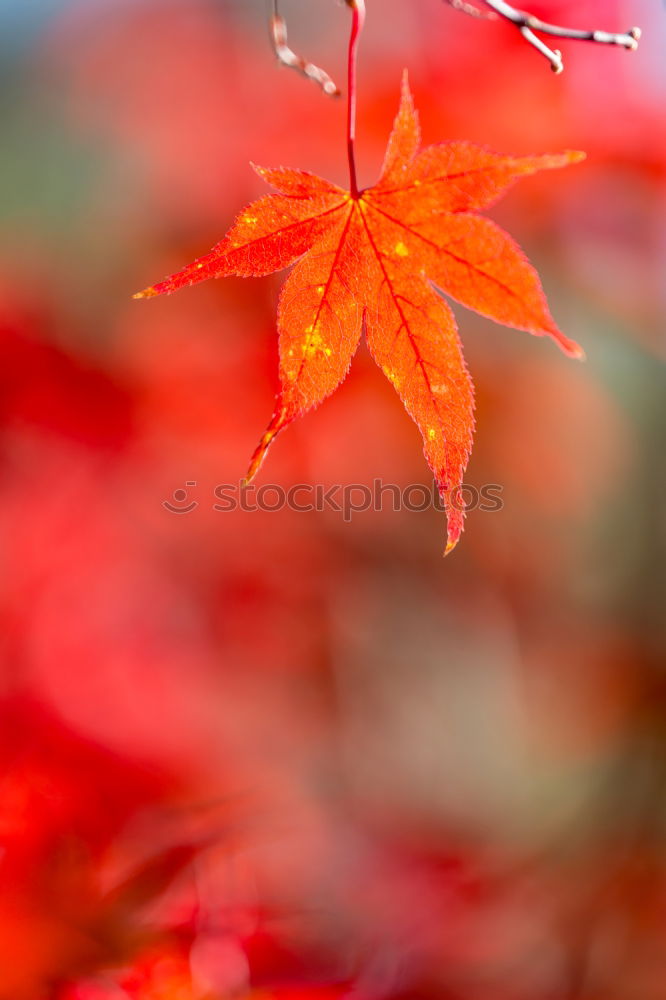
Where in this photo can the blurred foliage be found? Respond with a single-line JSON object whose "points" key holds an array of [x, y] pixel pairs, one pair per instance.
{"points": [[276, 754]]}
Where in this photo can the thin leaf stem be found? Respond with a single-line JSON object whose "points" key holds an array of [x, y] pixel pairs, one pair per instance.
{"points": [[358, 20]]}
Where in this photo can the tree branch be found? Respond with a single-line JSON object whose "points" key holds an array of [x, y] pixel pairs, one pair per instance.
{"points": [[528, 25], [287, 57]]}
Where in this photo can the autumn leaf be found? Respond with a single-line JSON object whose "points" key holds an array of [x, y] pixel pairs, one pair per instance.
{"points": [[377, 260]]}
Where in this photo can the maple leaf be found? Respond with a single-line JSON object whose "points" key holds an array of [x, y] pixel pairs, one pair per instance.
{"points": [[377, 259]]}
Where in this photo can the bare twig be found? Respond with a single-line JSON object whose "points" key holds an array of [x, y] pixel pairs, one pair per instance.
{"points": [[286, 56], [468, 8], [527, 24]]}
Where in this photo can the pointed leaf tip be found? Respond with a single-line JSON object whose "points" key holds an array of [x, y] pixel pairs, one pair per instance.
{"points": [[406, 96], [257, 460], [405, 138], [147, 293], [455, 523], [278, 421], [450, 546], [569, 347]]}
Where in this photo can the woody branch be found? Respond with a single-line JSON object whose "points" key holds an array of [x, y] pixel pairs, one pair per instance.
{"points": [[528, 25], [287, 57]]}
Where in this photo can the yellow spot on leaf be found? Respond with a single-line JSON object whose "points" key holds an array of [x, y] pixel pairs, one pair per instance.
{"points": [[401, 249], [432, 433], [314, 344], [250, 219], [391, 375], [320, 290]]}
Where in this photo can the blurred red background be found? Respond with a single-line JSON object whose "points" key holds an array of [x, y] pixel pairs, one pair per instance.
{"points": [[278, 754]]}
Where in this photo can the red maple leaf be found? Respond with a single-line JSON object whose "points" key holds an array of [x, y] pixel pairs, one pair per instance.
{"points": [[373, 260]]}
